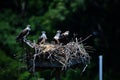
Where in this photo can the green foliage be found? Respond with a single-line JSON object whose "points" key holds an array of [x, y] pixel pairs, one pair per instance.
{"points": [[73, 75], [8, 68], [24, 76]]}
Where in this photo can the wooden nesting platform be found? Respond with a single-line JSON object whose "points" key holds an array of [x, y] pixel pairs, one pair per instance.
{"points": [[56, 56]]}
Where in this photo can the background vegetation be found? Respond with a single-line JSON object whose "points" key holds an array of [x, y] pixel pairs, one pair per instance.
{"points": [[99, 18]]}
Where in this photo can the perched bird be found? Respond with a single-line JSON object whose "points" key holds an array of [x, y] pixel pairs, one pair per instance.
{"points": [[42, 38], [23, 34], [64, 37], [57, 37], [66, 33]]}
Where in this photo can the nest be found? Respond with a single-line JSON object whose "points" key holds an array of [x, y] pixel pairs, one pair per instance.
{"points": [[66, 56]]}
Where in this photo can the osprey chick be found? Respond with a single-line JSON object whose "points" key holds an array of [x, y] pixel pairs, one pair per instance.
{"points": [[64, 37], [57, 37], [42, 38]]}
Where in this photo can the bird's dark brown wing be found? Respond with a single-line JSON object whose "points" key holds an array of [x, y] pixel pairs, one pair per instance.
{"points": [[39, 40], [64, 39], [22, 34]]}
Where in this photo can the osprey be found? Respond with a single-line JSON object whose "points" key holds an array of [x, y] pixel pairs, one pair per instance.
{"points": [[57, 37], [23, 34], [42, 38], [64, 37], [66, 33]]}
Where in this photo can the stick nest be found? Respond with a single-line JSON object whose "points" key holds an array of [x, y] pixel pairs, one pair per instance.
{"points": [[67, 55]]}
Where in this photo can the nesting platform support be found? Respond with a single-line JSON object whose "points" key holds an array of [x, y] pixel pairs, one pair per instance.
{"points": [[50, 56]]}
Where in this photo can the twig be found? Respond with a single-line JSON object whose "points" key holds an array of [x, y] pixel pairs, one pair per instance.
{"points": [[85, 38]]}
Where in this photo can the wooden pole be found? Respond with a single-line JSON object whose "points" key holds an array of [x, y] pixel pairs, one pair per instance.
{"points": [[58, 74]]}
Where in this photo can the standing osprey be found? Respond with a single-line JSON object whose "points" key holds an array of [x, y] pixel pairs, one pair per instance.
{"points": [[23, 34], [42, 38], [64, 37], [57, 37]]}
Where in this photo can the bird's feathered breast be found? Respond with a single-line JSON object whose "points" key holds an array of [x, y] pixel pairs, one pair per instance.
{"points": [[57, 36], [43, 36]]}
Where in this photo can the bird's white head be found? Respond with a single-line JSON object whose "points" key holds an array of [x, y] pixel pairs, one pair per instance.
{"points": [[43, 32], [66, 33], [28, 27], [58, 31]]}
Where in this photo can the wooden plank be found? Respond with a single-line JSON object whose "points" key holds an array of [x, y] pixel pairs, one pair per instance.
{"points": [[55, 64]]}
